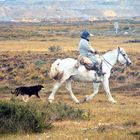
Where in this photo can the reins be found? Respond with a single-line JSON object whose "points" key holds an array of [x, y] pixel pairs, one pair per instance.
{"points": [[108, 62], [119, 52]]}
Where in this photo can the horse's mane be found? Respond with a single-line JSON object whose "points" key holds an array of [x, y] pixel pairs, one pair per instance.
{"points": [[107, 52], [104, 52]]}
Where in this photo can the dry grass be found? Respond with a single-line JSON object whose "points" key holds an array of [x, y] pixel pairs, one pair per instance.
{"points": [[40, 37], [99, 127], [107, 120], [70, 44]]}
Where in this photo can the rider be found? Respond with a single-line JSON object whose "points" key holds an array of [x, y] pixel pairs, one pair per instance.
{"points": [[86, 50]]}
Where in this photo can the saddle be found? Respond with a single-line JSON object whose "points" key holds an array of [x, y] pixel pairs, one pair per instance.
{"points": [[86, 62], [90, 66]]}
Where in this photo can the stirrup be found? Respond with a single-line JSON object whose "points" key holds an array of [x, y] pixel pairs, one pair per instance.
{"points": [[96, 79], [100, 73]]}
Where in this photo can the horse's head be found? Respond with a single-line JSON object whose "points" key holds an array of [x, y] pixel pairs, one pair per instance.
{"points": [[123, 57]]}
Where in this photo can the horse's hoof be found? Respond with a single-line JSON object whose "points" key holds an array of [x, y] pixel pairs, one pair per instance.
{"points": [[50, 101], [77, 102], [84, 100], [113, 101]]}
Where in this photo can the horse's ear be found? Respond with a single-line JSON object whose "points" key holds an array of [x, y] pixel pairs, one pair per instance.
{"points": [[118, 48]]}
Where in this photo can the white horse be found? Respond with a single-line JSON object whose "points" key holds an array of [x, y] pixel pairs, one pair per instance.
{"points": [[66, 70]]}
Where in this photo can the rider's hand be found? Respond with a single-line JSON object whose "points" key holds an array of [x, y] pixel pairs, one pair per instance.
{"points": [[96, 52]]}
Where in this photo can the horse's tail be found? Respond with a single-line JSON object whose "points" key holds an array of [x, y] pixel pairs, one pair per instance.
{"points": [[55, 72]]}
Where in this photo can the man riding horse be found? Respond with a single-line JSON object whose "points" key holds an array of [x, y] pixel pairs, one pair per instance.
{"points": [[86, 51]]}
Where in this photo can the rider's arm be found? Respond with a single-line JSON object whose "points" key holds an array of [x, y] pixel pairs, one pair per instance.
{"points": [[85, 47], [91, 49]]}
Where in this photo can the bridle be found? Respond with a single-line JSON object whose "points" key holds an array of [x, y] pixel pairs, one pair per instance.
{"points": [[119, 52], [124, 56]]}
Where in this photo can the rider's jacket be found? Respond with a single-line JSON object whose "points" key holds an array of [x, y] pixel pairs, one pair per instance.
{"points": [[86, 50]]}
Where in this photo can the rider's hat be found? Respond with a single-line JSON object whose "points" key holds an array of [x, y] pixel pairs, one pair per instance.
{"points": [[85, 35]]}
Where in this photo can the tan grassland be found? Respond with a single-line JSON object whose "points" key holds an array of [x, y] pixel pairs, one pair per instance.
{"points": [[120, 121]]}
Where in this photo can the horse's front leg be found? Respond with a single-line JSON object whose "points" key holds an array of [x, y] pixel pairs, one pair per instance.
{"points": [[55, 88], [96, 89], [68, 86], [107, 90]]}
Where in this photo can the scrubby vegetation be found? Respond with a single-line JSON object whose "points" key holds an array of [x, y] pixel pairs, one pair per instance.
{"points": [[26, 53], [62, 111], [15, 117], [54, 49], [18, 117]]}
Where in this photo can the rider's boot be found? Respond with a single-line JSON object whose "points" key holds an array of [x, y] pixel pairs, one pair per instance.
{"points": [[98, 70]]}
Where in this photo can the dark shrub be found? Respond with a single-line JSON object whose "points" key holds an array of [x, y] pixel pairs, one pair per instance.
{"points": [[130, 123], [121, 78], [61, 111], [136, 134], [16, 117], [55, 49], [126, 28]]}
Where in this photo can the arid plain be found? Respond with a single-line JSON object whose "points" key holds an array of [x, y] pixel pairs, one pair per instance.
{"points": [[26, 54]]}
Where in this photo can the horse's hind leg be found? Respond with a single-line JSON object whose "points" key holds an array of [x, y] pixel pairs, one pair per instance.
{"points": [[68, 86], [55, 88], [96, 89]]}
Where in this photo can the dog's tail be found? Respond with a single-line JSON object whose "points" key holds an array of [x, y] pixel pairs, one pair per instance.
{"points": [[12, 92], [15, 92]]}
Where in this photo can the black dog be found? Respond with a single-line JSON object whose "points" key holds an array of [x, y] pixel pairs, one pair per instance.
{"points": [[31, 90]]}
